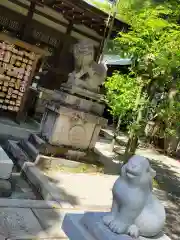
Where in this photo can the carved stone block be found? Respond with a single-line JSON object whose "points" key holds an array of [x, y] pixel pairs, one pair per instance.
{"points": [[69, 127]]}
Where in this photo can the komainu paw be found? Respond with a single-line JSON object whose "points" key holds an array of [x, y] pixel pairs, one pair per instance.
{"points": [[133, 231], [115, 227], [108, 219]]}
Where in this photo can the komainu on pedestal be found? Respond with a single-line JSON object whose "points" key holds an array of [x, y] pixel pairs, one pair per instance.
{"points": [[135, 211], [88, 74], [135, 214]]}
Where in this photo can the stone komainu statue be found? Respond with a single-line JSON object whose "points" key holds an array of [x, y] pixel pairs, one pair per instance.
{"points": [[135, 211], [87, 74]]}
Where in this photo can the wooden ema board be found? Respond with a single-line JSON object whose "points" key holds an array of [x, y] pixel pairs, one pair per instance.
{"points": [[17, 65]]}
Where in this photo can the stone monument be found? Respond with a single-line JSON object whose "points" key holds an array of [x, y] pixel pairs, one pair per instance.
{"points": [[73, 117], [135, 214]]}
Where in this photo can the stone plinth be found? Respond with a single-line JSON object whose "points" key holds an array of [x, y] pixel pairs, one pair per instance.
{"points": [[73, 89], [80, 102], [76, 121], [71, 127], [6, 165], [89, 226]]}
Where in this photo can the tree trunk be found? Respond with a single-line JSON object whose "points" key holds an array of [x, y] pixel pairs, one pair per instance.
{"points": [[116, 132], [130, 148], [133, 138]]}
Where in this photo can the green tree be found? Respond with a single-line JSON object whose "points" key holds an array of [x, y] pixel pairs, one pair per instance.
{"points": [[153, 43], [125, 7], [121, 90]]}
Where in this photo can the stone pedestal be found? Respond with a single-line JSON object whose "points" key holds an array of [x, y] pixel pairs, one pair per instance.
{"points": [[6, 166], [89, 226], [73, 120]]}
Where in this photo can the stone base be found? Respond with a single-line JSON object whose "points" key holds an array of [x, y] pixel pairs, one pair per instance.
{"points": [[90, 227], [69, 127], [82, 92], [5, 188], [86, 105], [6, 165]]}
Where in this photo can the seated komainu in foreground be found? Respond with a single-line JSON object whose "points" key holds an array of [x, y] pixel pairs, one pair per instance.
{"points": [[135, 211]]}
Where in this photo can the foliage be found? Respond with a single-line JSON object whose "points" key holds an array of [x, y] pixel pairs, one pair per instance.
{"points": [[124, 8], [127, 8], [121, 90], [153, 44]]}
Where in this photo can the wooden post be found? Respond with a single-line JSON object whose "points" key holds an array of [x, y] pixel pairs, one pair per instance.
{"points": [[28, 19]]}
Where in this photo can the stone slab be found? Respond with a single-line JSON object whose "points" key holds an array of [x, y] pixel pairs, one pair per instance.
{"points": [[11, 130], [6, 165], [48, 190], [28, 203], [79, 102], [90, 227], [19, 223], [83, 92], [37, 142], [83, 115], [30, 149], [19, 155], [51, 220]]}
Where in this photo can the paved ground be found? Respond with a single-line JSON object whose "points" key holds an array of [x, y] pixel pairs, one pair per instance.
{"points": [[20, 219], [85, 189], [32, 219]]}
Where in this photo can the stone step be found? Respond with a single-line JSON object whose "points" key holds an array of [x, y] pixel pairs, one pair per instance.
{"points": [[20, 157], [38, 142], [5, 188], [30, 149], [23, 195], [21, 189]]}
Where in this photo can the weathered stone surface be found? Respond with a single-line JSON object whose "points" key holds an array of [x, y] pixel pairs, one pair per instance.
{"points": [[75, 230], [83, 92], [5, 188], [31, 150], [19, 155], [87, 105], [45, 162], [6, 165], [87, 74], [18, 223], [37, 142], [28, 203], [51, 220], [11, 130], [91, 227], [70, 127], [47, 189], [3, 237]]}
